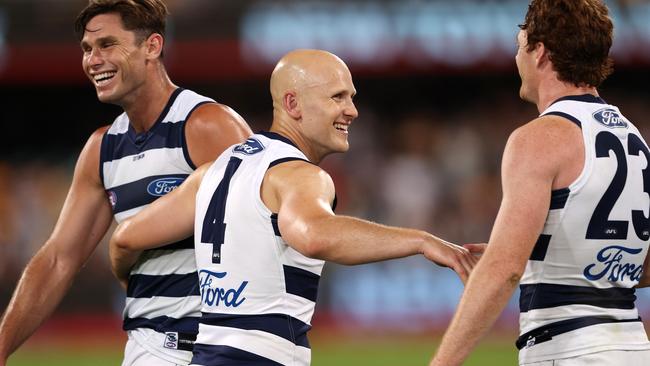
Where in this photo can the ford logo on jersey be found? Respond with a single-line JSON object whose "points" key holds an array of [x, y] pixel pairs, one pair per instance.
{"points": [[162, 186], [613, 265], [250, 147], [213, 295], [610, 118]]}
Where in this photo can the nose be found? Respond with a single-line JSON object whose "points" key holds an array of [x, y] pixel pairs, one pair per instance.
{"points": [[93, 58], [351, 110]]}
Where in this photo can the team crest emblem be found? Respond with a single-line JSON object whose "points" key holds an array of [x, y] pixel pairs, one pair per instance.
{"points": [[250, 147], [610, 118], [171, 340]]}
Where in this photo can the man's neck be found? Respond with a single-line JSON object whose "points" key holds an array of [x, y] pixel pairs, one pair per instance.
{"points": [[147, 103], [297, 138], [555, 90]]}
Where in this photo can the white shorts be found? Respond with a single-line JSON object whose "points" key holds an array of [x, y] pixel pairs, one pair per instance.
{"points": [[135, 355], [604, 358]]}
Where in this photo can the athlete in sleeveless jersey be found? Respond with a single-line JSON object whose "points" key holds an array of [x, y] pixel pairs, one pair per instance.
{"points": [[163, 132], [257, 293], [572, 230], [162, 303], [263, 222], [577, 292]]}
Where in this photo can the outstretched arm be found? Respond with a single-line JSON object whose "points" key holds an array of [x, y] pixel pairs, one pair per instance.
{"points": [[166, 220], [84, 219], [302, 194]]}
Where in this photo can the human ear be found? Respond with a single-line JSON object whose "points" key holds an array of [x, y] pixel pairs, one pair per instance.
{"points": [[541, 54], [290, 104], [154, 45]]}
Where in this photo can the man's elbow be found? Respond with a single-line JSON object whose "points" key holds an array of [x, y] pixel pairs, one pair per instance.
{"points": [[121, 239]]}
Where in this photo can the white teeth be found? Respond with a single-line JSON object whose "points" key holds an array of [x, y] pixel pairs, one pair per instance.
{"points": [[104, 77], [341, 127]]}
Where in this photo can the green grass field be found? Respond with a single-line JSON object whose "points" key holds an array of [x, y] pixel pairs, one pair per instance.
{"points": [[327, 351]]}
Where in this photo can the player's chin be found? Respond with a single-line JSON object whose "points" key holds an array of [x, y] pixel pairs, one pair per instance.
{"points": [[343, 147], [107, 97]]}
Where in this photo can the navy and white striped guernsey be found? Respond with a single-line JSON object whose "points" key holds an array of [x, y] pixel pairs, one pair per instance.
{"points": [[163, 304], [258, 293], [577, 292]]}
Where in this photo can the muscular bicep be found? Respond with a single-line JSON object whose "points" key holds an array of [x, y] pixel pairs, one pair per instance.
{"points": [[302, 195], [527, 181], [86, 213], [166, 220], [210, 129]]}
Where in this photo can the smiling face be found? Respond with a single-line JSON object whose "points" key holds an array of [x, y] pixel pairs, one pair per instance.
{"points": [[328, 109], [114, 59]]}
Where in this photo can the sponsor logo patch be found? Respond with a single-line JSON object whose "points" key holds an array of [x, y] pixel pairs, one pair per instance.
{"points": [[162, 186], [250, 147], [213, 295], [614, 264], [610, 118]]}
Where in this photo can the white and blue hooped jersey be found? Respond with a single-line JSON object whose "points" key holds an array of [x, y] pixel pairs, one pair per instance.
{"points": [[577, 294], [257, 293], [162, 304]]}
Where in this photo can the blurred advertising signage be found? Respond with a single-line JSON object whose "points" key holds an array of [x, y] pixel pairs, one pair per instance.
{"points": [[415, 33]]}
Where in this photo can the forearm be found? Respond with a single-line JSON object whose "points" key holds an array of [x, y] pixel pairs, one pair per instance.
{"points": [[39, 291], [475, 315], [348, 240]]}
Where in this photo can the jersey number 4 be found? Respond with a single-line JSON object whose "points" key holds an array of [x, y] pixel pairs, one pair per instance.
{"points": [[600, 227], [214, 227]]}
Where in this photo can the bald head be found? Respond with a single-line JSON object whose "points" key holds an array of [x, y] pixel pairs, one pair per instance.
{"points": [[304, 68]]}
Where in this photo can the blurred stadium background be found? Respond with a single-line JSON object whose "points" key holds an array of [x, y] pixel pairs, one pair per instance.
{"points": [[437, 95]]}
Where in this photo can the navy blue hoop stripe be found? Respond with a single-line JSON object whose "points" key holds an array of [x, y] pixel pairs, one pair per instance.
{"points": [[301, 283], [209, 355], [172, 285], [547, 332], [559, 198], [166, 135], [541, 247], [164, 324], [183, 244], [137, 193], [281, 325], [546, 295]]}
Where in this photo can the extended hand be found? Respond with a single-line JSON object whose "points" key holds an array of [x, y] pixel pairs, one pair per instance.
{"points": [[461, 259]]}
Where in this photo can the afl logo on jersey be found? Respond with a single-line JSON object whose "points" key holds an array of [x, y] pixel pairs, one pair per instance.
{"points": [[250, 147], [608, 117], [112, 198], [162, 186]]}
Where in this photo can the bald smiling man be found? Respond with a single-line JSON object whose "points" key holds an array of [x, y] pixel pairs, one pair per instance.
{"points": [[263, 218]]}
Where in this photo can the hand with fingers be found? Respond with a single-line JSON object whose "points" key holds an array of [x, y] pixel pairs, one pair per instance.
{"points": [[461, 259]]}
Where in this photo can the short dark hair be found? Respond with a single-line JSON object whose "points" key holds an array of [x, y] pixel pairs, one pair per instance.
{"points": [[578, 36], [144, 17]]}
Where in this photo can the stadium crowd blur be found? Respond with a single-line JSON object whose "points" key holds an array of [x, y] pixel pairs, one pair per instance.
{"points": [[425, 151]]}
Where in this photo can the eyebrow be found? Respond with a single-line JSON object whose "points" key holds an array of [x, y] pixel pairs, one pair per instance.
{"points": [[100, 40]]}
